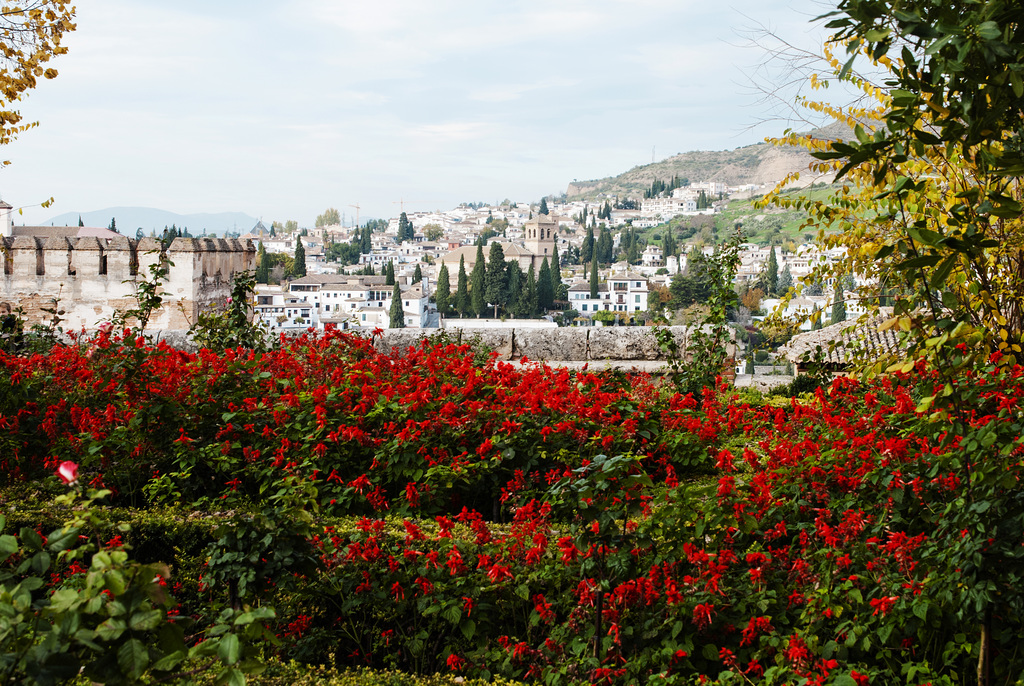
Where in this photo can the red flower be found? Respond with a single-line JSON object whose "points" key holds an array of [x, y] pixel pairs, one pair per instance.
{"points": [[68, 472], [703, 614]]}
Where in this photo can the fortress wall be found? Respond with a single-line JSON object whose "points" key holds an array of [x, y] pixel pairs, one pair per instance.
{"points": [[94, 278]]}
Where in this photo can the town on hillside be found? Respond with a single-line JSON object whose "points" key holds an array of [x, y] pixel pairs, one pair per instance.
{"points": [[610, 262]]}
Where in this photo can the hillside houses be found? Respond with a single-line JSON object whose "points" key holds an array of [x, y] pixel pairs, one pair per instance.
{"points": [[343, 300]]}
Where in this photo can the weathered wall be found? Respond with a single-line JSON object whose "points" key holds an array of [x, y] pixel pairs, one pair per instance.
{"points": [[93, 278], [621, 344]]}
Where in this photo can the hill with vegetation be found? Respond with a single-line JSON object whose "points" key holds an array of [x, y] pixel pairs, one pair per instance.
{"points": [[757, 164]]}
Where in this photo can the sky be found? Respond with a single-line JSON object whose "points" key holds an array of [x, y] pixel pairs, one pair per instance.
{"points": [[282, 109]]}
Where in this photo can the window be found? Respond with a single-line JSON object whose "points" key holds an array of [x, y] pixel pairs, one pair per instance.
{"points": [[584, 309], [637, 298]]}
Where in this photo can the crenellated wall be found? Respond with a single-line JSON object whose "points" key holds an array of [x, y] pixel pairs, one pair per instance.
{"points": [[95, 277]]}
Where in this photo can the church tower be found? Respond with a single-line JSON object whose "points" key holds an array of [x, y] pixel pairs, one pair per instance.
{"points": [[540, 234]]}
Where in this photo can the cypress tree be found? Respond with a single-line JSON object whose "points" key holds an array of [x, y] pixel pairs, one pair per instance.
{"points": [[838, 306], [477, 283], [417, 275], [462, 292], [593, 279], [545, 296], [528, 298], [515, 288], [444, 290], [299, 266], [396, 314], [587, 249], [543, 206], [556, 273], [496, 287], [365, 243], [605, 246], [389, 274], [262, 265], [405, 230], [772, 273]]}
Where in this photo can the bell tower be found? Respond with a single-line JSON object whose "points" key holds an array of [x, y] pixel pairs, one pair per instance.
{"points": [[540, 235]]}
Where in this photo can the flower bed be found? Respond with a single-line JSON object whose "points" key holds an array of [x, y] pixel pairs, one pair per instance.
{"points": [[447, 514]]}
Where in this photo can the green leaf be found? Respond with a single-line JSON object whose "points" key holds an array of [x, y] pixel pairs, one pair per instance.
{"points": [[468, 628], [111, 629], [231, 677], [133, 658], [64, 600], [8, 546], [145, 621], [844, 680], [229, 649], [921, 611], [169, 662]]}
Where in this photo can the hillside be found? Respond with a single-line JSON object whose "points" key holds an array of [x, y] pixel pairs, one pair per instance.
{"points": [[759, 164], [151, 219]]}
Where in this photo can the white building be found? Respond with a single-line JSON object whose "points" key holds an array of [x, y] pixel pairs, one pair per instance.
{"points": [[359, 301], [625, 293]]}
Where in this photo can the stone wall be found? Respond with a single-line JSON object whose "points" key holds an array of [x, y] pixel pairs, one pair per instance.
{"points": [[93, 277], [620, 345]]}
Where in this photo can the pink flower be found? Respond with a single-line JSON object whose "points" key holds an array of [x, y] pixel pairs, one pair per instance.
{"points": [[68, 472]]}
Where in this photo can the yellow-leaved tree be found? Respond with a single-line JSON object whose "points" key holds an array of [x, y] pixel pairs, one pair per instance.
{"points": [[30, 36], [931, 230]]}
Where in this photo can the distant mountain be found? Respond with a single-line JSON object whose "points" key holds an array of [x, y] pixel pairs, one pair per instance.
{"points": [[130, 219], [758, 164]]}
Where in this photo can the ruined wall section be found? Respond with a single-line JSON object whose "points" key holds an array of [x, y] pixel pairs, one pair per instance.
{"points": [[94, 277]]}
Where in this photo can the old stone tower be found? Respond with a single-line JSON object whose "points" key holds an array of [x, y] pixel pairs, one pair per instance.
{"points": [[540, 234]]}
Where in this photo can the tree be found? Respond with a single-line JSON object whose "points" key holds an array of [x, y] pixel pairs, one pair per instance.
{"points": [[30, 38], [477, 283], [556, 274], [545, 296], [752, 300], [396, 315], [528, 300], [838, 306], [405, 230], [462, 294], [772, 273], [299, 267], [785, 280], [330, 217], [593, 279], [496, 288], [433, 232], [605, 246], [543, 206], [444, 290], [262, 265], [389, 273], [936, 166], [587, 249], [515, 278], [365, 241], [113, 224]]}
